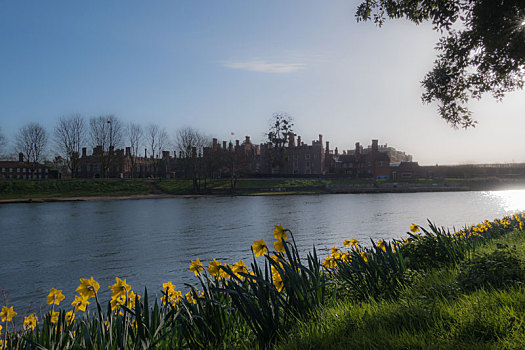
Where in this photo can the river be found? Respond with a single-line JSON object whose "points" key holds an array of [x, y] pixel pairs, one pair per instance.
{"points": [[148, 242]]}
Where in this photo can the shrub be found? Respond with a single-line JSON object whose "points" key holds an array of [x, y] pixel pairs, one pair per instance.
{"points": [[499, 269]]}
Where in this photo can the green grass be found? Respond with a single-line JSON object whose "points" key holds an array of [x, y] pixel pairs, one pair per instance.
{"points": [[24, 189], [433, 313], [71, 188]]}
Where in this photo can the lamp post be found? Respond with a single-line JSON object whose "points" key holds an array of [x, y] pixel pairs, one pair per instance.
{"points": [[110, 148]]}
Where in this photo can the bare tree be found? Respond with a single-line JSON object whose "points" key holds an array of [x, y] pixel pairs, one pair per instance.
{"points": [[31, 141], [156, 139], [190, 143], [279, 138], [106, 134], [3, 144], [135, 136], [69, 135]]}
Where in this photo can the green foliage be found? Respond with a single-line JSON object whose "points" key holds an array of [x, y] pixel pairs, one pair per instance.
{"points": [[269, 307], [482, 51], [498, 269], [379, 275], [435, 248], [71, 188]]}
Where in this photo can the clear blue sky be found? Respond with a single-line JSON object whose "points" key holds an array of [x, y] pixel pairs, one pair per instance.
{"points": [[226, 66]]}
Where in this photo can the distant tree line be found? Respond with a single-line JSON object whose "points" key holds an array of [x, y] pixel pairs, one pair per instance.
{"points": [[62, 146]]}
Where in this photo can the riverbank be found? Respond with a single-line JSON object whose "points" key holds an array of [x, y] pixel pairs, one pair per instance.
{"points": [[434, 289], [27, 191], [478, 303]]}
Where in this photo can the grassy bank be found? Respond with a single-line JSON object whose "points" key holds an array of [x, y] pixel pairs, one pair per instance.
{"points": [[433, 289], [55, 189], [23, 189], [477, 304]]}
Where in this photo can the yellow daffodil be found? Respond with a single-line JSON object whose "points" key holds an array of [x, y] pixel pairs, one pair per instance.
{"points": [[30, 322], [117, 301], [120, 288], [279, 232], [329, 262], [277, 281], [279, 246], [196, 267], [259, 247], [381, 244], [132, 297], [54, 316], [173, 298], [170, 294], [7, 314], [346, 243], [80, 303], [414, 228], [55, 296], [213, 268], [70, 316], [363, 255], [88, 287], [334, 249], [239, 266], [346, 257], [336, 255], [189, 298], [223, 273], [168, 286], [354, 242]]}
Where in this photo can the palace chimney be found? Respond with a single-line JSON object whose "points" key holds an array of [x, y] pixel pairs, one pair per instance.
{"points": [[20, 157], [375, 146]]}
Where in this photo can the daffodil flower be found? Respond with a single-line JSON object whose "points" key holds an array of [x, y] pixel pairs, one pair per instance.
{"points": [[80, 303], [196, 267], [213, 268], [30, 322], [55, 296], [88, 287], [120, 288], [279, 232], [7, 314], [54, 316], [259, 247], [279, 246], [414, 228]]}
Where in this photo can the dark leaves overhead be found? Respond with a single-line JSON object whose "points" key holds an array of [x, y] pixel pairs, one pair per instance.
{"points": [[482, 50]]}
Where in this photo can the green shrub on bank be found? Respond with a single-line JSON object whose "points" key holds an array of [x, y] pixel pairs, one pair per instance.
{"points": [[498, 269]]}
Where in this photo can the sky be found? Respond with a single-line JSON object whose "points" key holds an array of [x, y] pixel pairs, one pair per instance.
{"points": [[227, 66]]}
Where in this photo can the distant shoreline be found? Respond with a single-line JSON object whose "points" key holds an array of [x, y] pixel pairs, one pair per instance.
{"points": [[46, 191], [303, 191]]}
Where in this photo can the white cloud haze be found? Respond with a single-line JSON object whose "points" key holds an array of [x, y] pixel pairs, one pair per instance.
{"points": [[266, 67]]}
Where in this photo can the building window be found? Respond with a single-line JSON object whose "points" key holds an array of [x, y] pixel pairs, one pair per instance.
{"points": [[307, 164], [306, 156]]}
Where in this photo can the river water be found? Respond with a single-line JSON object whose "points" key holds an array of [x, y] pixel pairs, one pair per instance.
{"points": [[148, 242]]}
